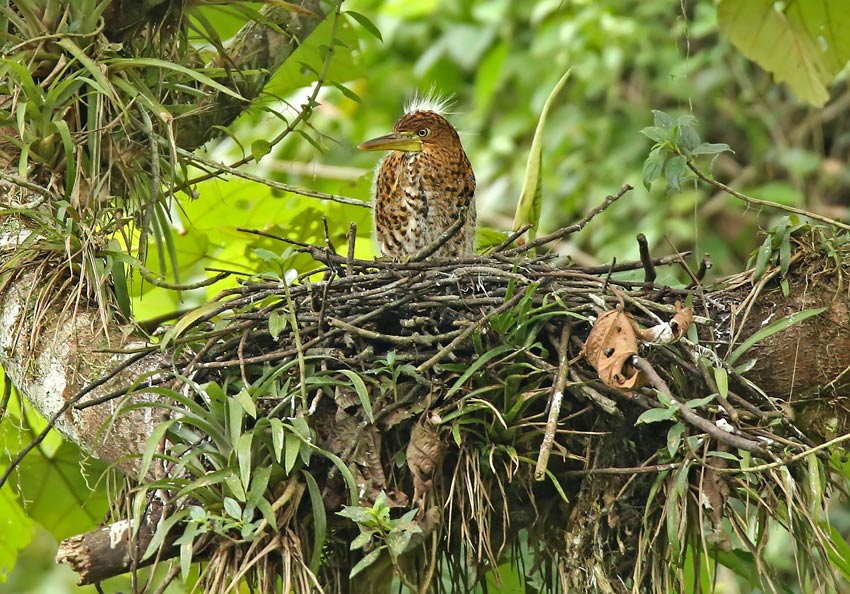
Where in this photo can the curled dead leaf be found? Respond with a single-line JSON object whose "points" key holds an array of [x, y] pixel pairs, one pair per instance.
{"points": [[425, 451], [667, 332], [609, 346], [682, 320]]}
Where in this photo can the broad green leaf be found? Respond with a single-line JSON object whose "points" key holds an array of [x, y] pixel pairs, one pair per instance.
{"points": [[152, 446], [232, 508], [259, 484], [802, 43], [700, 402], [18, 530], [278, 437], [762, 258], [530, 198]]}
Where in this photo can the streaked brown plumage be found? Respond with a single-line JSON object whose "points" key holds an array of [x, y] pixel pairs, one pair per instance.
{"points": [[422, 185]]}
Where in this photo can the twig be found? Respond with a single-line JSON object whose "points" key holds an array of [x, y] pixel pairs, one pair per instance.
{"points": [[609, 200], [44, 193], [624, 470], [352, 238], [694, 419], [759, 202], [232, 170], [554, 405], [649, 273], [441, 354], [413, 339], [306, 109], [512, 238]]}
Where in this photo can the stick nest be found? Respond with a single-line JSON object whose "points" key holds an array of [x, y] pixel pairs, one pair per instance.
{"points": [[417, 395]]}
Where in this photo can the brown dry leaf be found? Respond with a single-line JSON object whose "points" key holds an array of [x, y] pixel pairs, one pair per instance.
{"points": [[667, 332], [425, 452], [682, 320], [611, 343]]}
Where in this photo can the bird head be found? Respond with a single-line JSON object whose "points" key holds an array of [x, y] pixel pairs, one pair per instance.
{"points": [[414, 132]]}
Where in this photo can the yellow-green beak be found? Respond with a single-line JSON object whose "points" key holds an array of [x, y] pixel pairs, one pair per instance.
{"points": [[392, 142]]}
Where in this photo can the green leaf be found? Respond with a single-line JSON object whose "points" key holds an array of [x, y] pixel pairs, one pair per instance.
{"points": [[700, 402], [260, 148], [655, 415], [802, 43], [778, 326], [243, 456], [674, 438], [290, 456], [362, 392], [674, 171], [721, 378], [277, 323], [162, 530], [259, 484], [246, 402], [365, 562], [278, 436], [710, 148], [361, 540], [152, 447], [365, 23], [396, 542], [662, 120], [762, 258], [232, 508], [347, 92], [530, 197], [688, 137], [17, 532], [136, 62], [655, 133], [320, 521], [653, 166], [476, 365]]}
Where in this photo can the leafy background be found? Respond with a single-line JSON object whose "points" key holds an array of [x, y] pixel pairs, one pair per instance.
{"points": [[498, 59]]}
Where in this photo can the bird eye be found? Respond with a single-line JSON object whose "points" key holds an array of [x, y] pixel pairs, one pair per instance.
{"points": [[424, 132]]}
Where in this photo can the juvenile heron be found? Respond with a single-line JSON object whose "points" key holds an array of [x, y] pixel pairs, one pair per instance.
{"points": [[422, 186]]}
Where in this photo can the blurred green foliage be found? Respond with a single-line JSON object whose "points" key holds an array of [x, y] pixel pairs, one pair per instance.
{"points": [[501, 58]]}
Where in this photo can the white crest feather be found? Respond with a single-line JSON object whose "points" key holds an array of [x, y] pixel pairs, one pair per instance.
{"points": [[430, 101]]}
